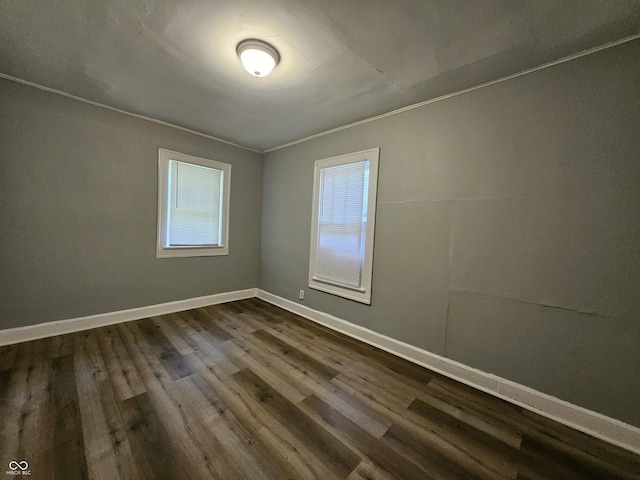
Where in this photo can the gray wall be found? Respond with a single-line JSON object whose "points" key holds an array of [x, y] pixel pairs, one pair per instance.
{"points": [[78, 208], [507, 231]]}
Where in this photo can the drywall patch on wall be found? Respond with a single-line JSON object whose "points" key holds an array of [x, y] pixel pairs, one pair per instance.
{"points": [[416, 280], [578, 357], [569, 250]]}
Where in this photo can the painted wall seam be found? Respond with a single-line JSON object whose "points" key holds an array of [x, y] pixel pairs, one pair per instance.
{"points": [[536, 304]]}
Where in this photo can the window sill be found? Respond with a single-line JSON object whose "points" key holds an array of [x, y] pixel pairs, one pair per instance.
{"points": [[171, 252], [357, 295]]}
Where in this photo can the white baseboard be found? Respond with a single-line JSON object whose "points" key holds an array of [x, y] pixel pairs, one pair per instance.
{"points": [[50, 329], [587, 421]]}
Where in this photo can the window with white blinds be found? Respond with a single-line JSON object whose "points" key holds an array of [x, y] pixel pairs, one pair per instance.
{"points": [[342, 228], [193, 205]]}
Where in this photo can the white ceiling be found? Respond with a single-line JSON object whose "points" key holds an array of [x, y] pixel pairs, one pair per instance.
{"points": [[342, 60]]}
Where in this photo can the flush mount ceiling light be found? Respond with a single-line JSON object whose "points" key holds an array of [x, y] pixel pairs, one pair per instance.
{"points": [[258, 57]]}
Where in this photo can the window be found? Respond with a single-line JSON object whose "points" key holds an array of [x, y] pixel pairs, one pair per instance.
{"points": [[344, 205], [193, 206]]}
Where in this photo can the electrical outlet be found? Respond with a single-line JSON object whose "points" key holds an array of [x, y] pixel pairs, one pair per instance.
{"points": [[301, 295]]}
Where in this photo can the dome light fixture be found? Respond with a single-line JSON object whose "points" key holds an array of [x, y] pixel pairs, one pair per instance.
{"points": [[257, 57]]}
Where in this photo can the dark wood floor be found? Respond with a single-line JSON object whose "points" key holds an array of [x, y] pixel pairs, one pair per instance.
{"points": [[247, 390]]}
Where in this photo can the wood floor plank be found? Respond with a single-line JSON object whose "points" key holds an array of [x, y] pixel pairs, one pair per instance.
{"points": [[239, 444], [389, 381], [200, 421], [269, 312], [367, 470], [16, 395], [508, 435], [5, 378], [578, 465], [314, 344], [393, 399], [331, 452], [173, 325], [61, 345], [7, 356], [476, 404], [284, 449], [166, 324], [293, 391], [243, 323], [7, 407], [400, 366], [124, 377], [202, 340], [247, 348], [275, 438], [206, 320], [384, 457], [300, 380], [443, 461], [295, 362], [248, 308], [232, 442], [230, 395], [69, 450], [570, 444], [296, 356], [438, 437], [232, 307], [520, 460], [150, 441], [107, 448], [358, 411], [190, 454], [539, 467], [36, 435], [247, 390], [170, 358], [559, 438], [295, 459]]}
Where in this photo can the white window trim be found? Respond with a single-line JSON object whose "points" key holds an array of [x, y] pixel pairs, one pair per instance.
{"points": [[162, 251], [362, 295]]}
